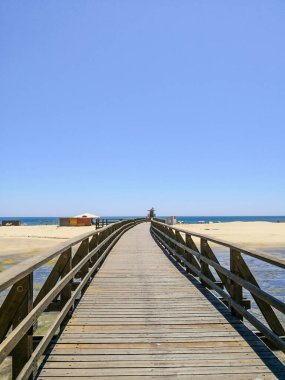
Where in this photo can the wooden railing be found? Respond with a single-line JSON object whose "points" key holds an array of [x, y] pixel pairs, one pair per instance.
{"points": [[101, 222], [203, 264], [77, 262], [159, 220]]}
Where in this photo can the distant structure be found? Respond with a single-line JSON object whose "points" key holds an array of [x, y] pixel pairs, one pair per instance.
{"points": [[151, 214], [11, 222], [171, 220], [81, 220]]}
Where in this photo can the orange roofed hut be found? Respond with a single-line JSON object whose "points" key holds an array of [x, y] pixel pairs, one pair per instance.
{"points": [[81, 220]]}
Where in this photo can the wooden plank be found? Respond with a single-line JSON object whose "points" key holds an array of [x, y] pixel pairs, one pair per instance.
{"points": [[150, 363], [243, 376], [176, 371], [31, 364], [140, 317], [165, 356]]}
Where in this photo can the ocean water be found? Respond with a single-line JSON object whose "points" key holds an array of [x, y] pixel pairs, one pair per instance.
{"points": [[225, 219], [54, 220], [51, 220], [33, 221]]}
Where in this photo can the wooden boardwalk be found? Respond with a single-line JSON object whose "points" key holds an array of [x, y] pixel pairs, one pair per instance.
{"points": [[143, 318]]}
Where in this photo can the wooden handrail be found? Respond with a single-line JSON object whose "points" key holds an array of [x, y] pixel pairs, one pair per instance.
{"points": [[19, 312], [19, 271], [246, 284], [239, 277], [258, 254]]}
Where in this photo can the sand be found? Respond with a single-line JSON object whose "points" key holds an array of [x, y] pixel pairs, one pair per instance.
{"points": [[263, 235], [54, 232], [20, 243], [26, 241]]}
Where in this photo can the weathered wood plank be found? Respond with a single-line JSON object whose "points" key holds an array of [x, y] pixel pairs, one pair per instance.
{"points": [[166, 376], [141, 318]]}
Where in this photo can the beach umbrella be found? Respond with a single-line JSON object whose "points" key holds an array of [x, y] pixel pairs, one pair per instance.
{"points": [[87, 215]]}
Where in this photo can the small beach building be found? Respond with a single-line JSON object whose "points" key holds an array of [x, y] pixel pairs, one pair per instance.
{"points": [[11, 222], [82, 220]]}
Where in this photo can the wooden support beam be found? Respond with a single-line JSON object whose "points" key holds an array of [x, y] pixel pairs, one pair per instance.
{"points": [[82, 251], [66, 292], [205, 270], [93, 242], [9, 308], [244, 303], [220, 284], [171, 234], [235, 289], [180, 251], [267, 341], [23, 350], [56, 305], [264, 307], [191, 258], [208, 252], [92, 245], [52, 279]]}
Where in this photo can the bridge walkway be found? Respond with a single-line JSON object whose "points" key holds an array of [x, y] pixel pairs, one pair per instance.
{"points": [[142, 318]]}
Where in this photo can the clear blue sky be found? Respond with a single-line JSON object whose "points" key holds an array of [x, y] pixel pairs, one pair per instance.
{"points": [[117, 106]]}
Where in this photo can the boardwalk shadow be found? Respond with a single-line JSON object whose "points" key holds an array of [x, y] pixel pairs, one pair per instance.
{"points": [[261, 350]]}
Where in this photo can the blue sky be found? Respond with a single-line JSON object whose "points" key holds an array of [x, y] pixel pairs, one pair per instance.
{"points": [[114, 107]]}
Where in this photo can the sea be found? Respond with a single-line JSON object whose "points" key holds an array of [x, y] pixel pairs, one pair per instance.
{"points": [[54, 220]]}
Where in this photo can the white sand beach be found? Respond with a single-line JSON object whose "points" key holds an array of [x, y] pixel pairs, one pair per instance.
{"points": [[20, 243], [264, 235]]}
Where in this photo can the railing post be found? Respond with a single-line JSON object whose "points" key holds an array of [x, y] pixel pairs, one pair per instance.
{"points": [[84, 270], [23, 350], [235, 289], [179, 250], [204, 267], [66, 292], [205, 270], [85, 251], [189, 257], [171, 234]]}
